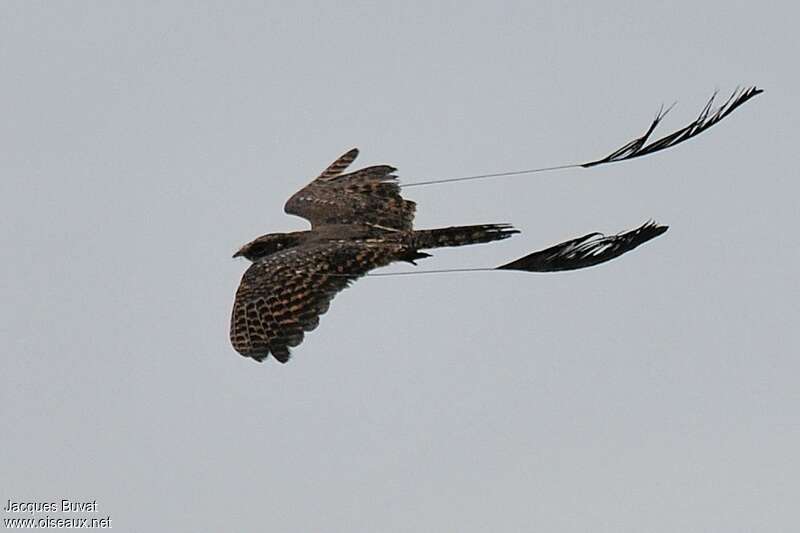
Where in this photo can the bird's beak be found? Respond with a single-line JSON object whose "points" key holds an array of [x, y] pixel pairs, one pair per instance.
{"points": [[237, 254]]}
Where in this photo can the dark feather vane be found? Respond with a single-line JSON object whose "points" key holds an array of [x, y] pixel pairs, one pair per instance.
{"points": [[708, 117], [586, 251]]}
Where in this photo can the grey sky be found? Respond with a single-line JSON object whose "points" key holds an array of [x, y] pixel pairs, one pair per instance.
{"points": [[143, 143]]}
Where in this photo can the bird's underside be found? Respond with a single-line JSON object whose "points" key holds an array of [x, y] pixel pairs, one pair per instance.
{"points": [[360, 222]]}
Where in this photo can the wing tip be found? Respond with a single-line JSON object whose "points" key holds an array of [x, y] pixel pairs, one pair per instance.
{"points": [[261, 357], [340, 164], [352, 153]]}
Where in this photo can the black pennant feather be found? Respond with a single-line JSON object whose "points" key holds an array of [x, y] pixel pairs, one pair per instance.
{"points": [[637, 147], [586, 251], [708, 117]]}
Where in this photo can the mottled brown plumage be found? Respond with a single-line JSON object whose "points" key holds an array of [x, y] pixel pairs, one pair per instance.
{"points": [[367, 196], [359, 222], [282, 295]]}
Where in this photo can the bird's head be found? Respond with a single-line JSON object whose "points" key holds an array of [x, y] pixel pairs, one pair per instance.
{"points": [[268, 245]]}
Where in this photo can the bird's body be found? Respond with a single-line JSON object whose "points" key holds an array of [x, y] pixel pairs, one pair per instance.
{"points": [[295, 275], [360, 222]]}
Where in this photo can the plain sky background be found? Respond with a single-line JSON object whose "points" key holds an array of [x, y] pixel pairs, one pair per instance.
{"points": [[142, 143]]}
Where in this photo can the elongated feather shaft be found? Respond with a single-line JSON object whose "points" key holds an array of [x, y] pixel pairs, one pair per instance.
{"points": [[707, 118], [636, 148]]}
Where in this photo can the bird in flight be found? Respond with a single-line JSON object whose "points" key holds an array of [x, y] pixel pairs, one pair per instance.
{"points": [[360, 221]]}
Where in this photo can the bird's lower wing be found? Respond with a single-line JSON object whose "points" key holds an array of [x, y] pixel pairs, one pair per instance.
{"points": [[283, 295]]}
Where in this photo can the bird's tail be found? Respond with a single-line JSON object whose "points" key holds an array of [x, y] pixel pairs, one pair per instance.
{"points": [[460, 235]]}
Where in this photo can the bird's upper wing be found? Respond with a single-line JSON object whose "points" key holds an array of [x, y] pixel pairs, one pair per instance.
{"points": [[367, 196], [283, 295]]}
